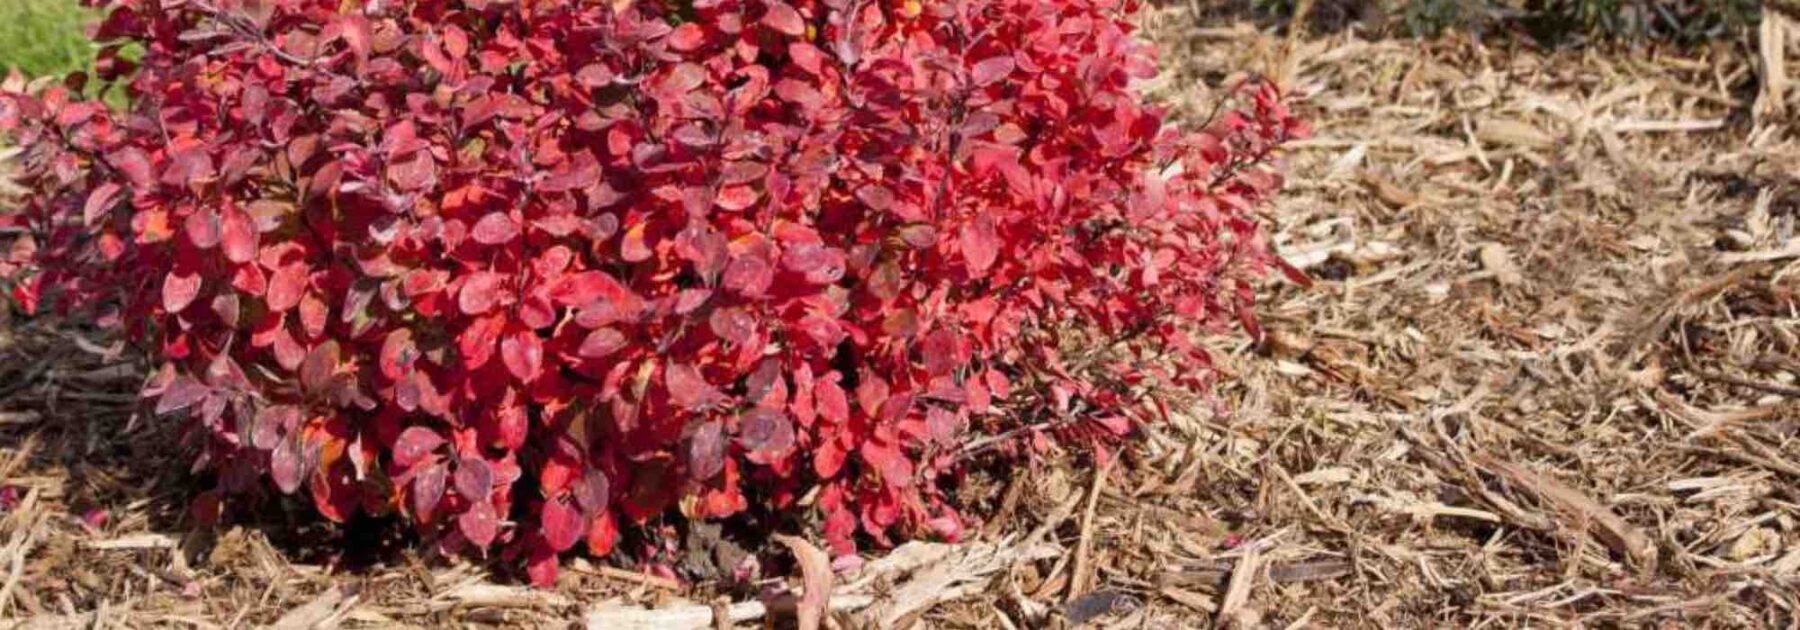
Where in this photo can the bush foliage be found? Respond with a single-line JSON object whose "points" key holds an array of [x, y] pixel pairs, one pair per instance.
{"points": [[530, 274]]}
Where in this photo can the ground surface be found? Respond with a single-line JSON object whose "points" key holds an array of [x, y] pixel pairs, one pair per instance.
{"points": [[1545, 377]]}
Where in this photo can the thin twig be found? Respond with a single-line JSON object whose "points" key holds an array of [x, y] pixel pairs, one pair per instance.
{"points": [[1770, 388], [1083, 573]]}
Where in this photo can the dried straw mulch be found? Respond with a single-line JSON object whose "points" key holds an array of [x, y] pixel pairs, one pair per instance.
{"points": [[1547, 376]]}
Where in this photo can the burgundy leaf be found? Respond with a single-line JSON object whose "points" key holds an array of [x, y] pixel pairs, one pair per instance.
{"points": [[706, 451], [767, 434], [271, 423], [320, 365], [593, 491], [688, 389], [99, 202], [601, 343], [479, 524], [992, 69], [474, 479], [285, 465], [427, 491], [414, 445], [184, 392]]}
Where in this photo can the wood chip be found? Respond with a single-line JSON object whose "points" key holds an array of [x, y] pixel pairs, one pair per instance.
{"points": [[1582, 513]]}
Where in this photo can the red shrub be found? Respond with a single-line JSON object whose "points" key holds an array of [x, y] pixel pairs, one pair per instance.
{"points": [[528, 272]]}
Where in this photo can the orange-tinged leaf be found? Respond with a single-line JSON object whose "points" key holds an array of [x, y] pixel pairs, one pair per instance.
{"points": [[687, 37], [634, 248], [736, 198]]}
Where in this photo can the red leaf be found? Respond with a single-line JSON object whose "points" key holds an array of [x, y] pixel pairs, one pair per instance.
{"points": [[476, 344], [991, 69], [562, 524], [828, 459], [733, 324], [807, 57], [687, 37], [415, 173], [99, 202], [634, 247], [784, 18], [286, 287], [203, 229], [942, 425], [582, 171], [601, 343], [871, 394], [888, 460], [736, 198], [427, 491], [748, 275], [495, 229], [706, 451], [285, 465], [479, 524], [585, 288], [414, 445], [540, 567], [980, 245], [679, 80], [238, 235], [688, 389], [834, 405], [397, 354], [480, 292], [767, 434], [474, 479], [179, 291], [603, 534], [320, 365], [512, 427], [271, 423], [593, 76], [593, 491], [523, 353]]}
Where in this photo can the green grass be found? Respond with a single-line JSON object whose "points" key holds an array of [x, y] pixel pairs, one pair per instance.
{"points": [[44, 37]]}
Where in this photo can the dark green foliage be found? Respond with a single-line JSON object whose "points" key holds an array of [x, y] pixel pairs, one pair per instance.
{"points": [[1548, 21], [1684, 21]]}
